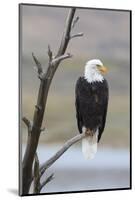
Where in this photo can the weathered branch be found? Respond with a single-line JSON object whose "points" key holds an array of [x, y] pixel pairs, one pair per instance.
{"points": [[49, 178], [59, 153], [75, 21], [36, 188], [49, 53], [53, 64], [28, 123], [38, 64], [76, 35], [66, 33], [60, 58]]}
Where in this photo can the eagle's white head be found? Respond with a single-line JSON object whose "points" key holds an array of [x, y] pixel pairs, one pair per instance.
{"points": [[94, 70]]}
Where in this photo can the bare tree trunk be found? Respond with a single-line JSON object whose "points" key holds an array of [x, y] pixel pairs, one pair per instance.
{"points": [[34, 128], [33, 136]]}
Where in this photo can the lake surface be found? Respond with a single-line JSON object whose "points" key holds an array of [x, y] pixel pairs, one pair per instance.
{"points": [[108, 170]]}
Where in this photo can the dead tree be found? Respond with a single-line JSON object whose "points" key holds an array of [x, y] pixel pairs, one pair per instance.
{"points": [[35, 127]]}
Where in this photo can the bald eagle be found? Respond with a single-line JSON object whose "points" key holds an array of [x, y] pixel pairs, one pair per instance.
{"points": [[91, 105]]}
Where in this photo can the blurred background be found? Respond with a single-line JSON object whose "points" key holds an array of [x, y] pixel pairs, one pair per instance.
{"points": [[106, 37]]}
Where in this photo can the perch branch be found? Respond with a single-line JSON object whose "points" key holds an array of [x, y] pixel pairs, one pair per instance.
{"points": [[49, 178], [59, 153]]}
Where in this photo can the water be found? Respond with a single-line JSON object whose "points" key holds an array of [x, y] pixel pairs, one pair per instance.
{"points": [[108, 170]]}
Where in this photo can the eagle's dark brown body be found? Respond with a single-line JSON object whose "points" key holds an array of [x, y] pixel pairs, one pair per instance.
{"points": [[91, 105]]}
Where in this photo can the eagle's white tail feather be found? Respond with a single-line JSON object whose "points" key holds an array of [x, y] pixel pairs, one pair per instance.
{"points": [[89, 146]]}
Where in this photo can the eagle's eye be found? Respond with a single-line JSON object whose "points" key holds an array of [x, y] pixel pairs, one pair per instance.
{"points": [[98, 65]]}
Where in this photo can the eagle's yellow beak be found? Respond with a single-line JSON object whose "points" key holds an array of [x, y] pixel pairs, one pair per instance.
{"points": [[103, 69]]}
